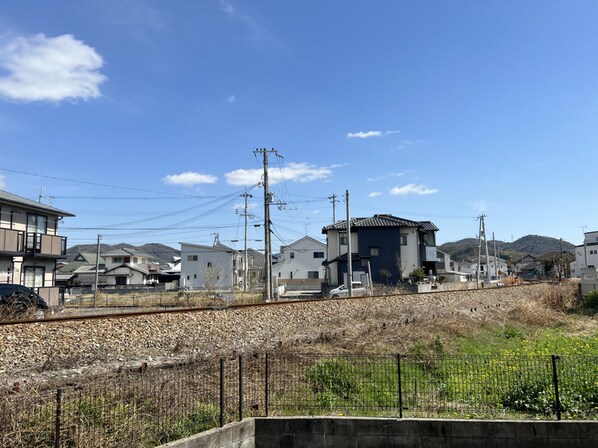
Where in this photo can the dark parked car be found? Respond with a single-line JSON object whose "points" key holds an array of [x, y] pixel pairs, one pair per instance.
{"points": [[20, 299]]}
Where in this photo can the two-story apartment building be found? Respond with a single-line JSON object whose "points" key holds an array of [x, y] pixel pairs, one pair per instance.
{"points": [[30, 244], [390, 248]]}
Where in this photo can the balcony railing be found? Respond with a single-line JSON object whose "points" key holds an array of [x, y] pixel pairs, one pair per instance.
{"points": [[19, 242]]}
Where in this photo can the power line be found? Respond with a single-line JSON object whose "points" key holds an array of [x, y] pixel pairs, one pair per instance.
{"points": [[95, 183]]}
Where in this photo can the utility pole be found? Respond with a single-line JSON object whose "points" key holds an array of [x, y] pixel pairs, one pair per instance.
{"points": [[482, 232], [267, 240], [333, 201], [561, 263], [245, 267], [495, 259], [95, 290], [349, 256]]}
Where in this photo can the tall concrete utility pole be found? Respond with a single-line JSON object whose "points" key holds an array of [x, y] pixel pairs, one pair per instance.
{"points": [[245, 267], [267, 240], [333, 201], [482, 233], [349, 257], [95, 289]]}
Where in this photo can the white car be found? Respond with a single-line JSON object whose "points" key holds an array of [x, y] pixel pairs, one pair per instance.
{"points": [[342, 291]]}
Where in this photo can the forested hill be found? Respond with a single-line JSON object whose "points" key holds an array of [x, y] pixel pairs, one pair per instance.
{"points": [[535, 245]]}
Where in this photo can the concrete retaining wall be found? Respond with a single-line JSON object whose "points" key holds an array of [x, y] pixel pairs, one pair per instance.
{"points": [[345, 432]]}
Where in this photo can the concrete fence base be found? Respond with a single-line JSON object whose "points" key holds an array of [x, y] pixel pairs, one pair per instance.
{"points": [[343, 432]]}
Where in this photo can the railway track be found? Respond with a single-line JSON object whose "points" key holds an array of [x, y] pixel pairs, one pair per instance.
{"points": [[127, 314]]}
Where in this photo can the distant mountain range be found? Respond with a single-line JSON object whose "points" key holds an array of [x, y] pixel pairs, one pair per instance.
{"points": [[160, 252], [535, 245]]}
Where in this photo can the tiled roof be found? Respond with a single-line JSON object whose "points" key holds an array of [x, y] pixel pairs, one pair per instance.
{"points": [[10, 198], [381, 221]]}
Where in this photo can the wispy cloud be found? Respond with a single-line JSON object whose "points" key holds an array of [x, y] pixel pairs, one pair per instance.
{"points": [[480, 205], [362, 134], [376, 179], [294, 172], [41, 68], [374, 194], [412, 189], [256, 31], [370, 134], [189, 179], [231, 99]]}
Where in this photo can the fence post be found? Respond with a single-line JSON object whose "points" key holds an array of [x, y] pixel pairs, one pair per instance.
{"points": [[240, 387], [400, 386], [221, 392], [267, 387], [555, 381], [58, 414]]}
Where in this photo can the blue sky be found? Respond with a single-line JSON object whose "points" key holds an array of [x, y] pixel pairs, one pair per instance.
{"points": [[142, 117]]}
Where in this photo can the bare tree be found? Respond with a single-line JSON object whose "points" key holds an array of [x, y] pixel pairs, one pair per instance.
{"points": [[211, 274], [400, 268]]}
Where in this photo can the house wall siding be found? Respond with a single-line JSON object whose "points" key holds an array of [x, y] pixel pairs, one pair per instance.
{"points": [[197, 274]]}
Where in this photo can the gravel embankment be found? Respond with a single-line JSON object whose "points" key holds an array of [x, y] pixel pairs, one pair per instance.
{"points": [[51, 346]]}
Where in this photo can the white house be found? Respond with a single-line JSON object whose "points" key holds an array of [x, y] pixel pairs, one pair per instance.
{"points": [[301, 260], [127, 266], [586, 254], [494, 266], [215, 267]]}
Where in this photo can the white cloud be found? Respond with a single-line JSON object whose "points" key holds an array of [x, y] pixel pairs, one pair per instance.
{"points": [[374, 194], [412, 189], [362, 134], [231, 99], [295, 172], [2, 182], [376, 179], [44, 68], [189, 179], [393, 132]]}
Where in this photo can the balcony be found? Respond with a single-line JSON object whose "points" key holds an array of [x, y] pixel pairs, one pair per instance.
{"points": [[15, 242]]}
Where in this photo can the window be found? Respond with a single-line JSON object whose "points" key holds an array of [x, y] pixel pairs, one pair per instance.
{"points": [[403, 239], [209, 264], [318, 254], [127, 259], [34, 276], [292, 255], [194, 275], [117, 259], [313, 274], [343, 239], [37, 224], [374, 251], [191, 257]]}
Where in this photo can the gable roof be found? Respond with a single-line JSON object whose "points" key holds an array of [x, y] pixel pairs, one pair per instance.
{"points": [[381, 221], [13, 199], [300, 240], [125, 251], [218, 247]]}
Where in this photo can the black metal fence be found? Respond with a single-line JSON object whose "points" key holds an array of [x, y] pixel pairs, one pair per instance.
{"points": [[150, 405]]}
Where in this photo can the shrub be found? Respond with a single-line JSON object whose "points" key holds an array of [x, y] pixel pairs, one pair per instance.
{"points": [[417, 275], [590, 301], [334, 380]]}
